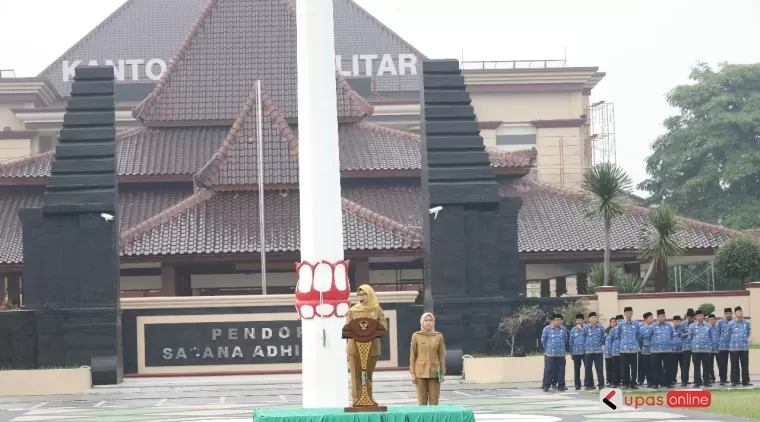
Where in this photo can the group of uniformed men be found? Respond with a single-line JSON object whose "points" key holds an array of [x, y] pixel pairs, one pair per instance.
{"points": [[648, 352]]}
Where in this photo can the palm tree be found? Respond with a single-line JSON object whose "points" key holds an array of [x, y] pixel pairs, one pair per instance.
{"points": [[664, 241], [608, 185]]}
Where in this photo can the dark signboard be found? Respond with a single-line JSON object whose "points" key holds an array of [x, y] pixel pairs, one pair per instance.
{"points": [[229, 343]]}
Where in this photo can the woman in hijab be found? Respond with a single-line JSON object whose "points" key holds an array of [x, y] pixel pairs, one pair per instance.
{"points": [[428, 361], [368, 307]]}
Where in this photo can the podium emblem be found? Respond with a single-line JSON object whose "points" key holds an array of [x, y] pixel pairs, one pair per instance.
{"points": [[363, 331]]}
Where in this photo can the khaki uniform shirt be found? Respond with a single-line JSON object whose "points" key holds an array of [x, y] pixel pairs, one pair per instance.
{"points": [[374, 314], [427, 354]]}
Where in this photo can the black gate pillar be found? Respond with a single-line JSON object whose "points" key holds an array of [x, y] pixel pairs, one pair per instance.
{"points": [[470, 232], [71, 244]]}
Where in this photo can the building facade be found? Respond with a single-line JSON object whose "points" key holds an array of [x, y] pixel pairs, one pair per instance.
{"points": [[188, 151]]}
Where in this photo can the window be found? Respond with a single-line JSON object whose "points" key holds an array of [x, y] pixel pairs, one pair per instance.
{"points": [[534, 289], [512, 137]]}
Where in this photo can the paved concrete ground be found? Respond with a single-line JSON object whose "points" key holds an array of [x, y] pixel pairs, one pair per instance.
{"points": [[233, 399]]}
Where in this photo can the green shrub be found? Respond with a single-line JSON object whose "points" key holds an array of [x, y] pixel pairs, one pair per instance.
{"points": [[626, 283], [707, 308], [738, 261], [573, 308]]}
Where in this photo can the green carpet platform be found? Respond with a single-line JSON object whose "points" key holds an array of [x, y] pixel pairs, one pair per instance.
{"points": [[393, 414]]}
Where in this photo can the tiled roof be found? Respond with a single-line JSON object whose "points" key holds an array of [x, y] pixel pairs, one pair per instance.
{"points": [[35, 165], [147, 29], [134, 206], [10, 225], [141, 152], [167, 151], [211, 222], [374, 218], [358, 32], [232, 44], [139, 30], [551, 220], [236, 160], [366, 146], [554, 219], [519, 158], [185, 150]]}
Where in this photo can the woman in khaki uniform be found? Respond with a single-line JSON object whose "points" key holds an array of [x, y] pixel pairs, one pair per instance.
{"points": [[368, 307], [428, 361]]}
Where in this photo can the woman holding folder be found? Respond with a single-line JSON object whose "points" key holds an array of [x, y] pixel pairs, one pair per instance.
{"points": [[428, 361]]}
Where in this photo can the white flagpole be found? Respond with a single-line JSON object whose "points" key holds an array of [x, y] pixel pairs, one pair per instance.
{"points": [[260, 153]]}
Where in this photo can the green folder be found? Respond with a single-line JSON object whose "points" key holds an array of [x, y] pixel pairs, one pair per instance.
{"points": [[440, 375]]}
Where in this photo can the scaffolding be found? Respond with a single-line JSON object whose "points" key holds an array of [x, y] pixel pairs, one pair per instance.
{"points": [[703, 274], [601, 132], [561, 161]]}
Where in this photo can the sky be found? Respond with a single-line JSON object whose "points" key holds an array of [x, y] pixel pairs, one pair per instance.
{"points": [[645, 47]]}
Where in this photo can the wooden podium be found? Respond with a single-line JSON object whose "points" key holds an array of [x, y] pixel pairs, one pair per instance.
{"points": [[362, 331]]}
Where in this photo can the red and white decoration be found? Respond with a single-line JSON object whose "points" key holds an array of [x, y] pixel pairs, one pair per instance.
{"points": [[323, 289]]}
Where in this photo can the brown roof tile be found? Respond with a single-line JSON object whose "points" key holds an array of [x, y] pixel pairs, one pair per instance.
{"points": [[554, 219], [11, 201], [231, 45], [366, 146], [399, 203], [35, 165], [134, 206], [236, 160], [227, 222], [140, 152], [167, 151], [519, 158], [388, 218], [374, 218], [147, 29], [186, 150]]}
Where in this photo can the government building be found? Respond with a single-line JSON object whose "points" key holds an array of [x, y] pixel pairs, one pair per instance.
{"points": [[188, 165]]}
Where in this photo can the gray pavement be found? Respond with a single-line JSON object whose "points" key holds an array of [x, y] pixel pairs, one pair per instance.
{"points": [[233, 399]]}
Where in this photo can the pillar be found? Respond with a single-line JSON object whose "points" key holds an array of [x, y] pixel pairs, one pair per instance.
{"points": [[581, 283], [560, 286], [523, 279], [325, 378], [14, 289], [754, 309], [359, 273], [546, 288], [174, 281], [607, 302], [71, 244]]}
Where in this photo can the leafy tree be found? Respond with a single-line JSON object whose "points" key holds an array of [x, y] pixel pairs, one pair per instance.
{"points": [[738, 260], [707, 164], [665, 241], [523, 318], [609, 187]]}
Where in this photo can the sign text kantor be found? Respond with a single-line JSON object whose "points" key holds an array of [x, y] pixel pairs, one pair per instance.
{"points": [[131, 69], [356, 65]]}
